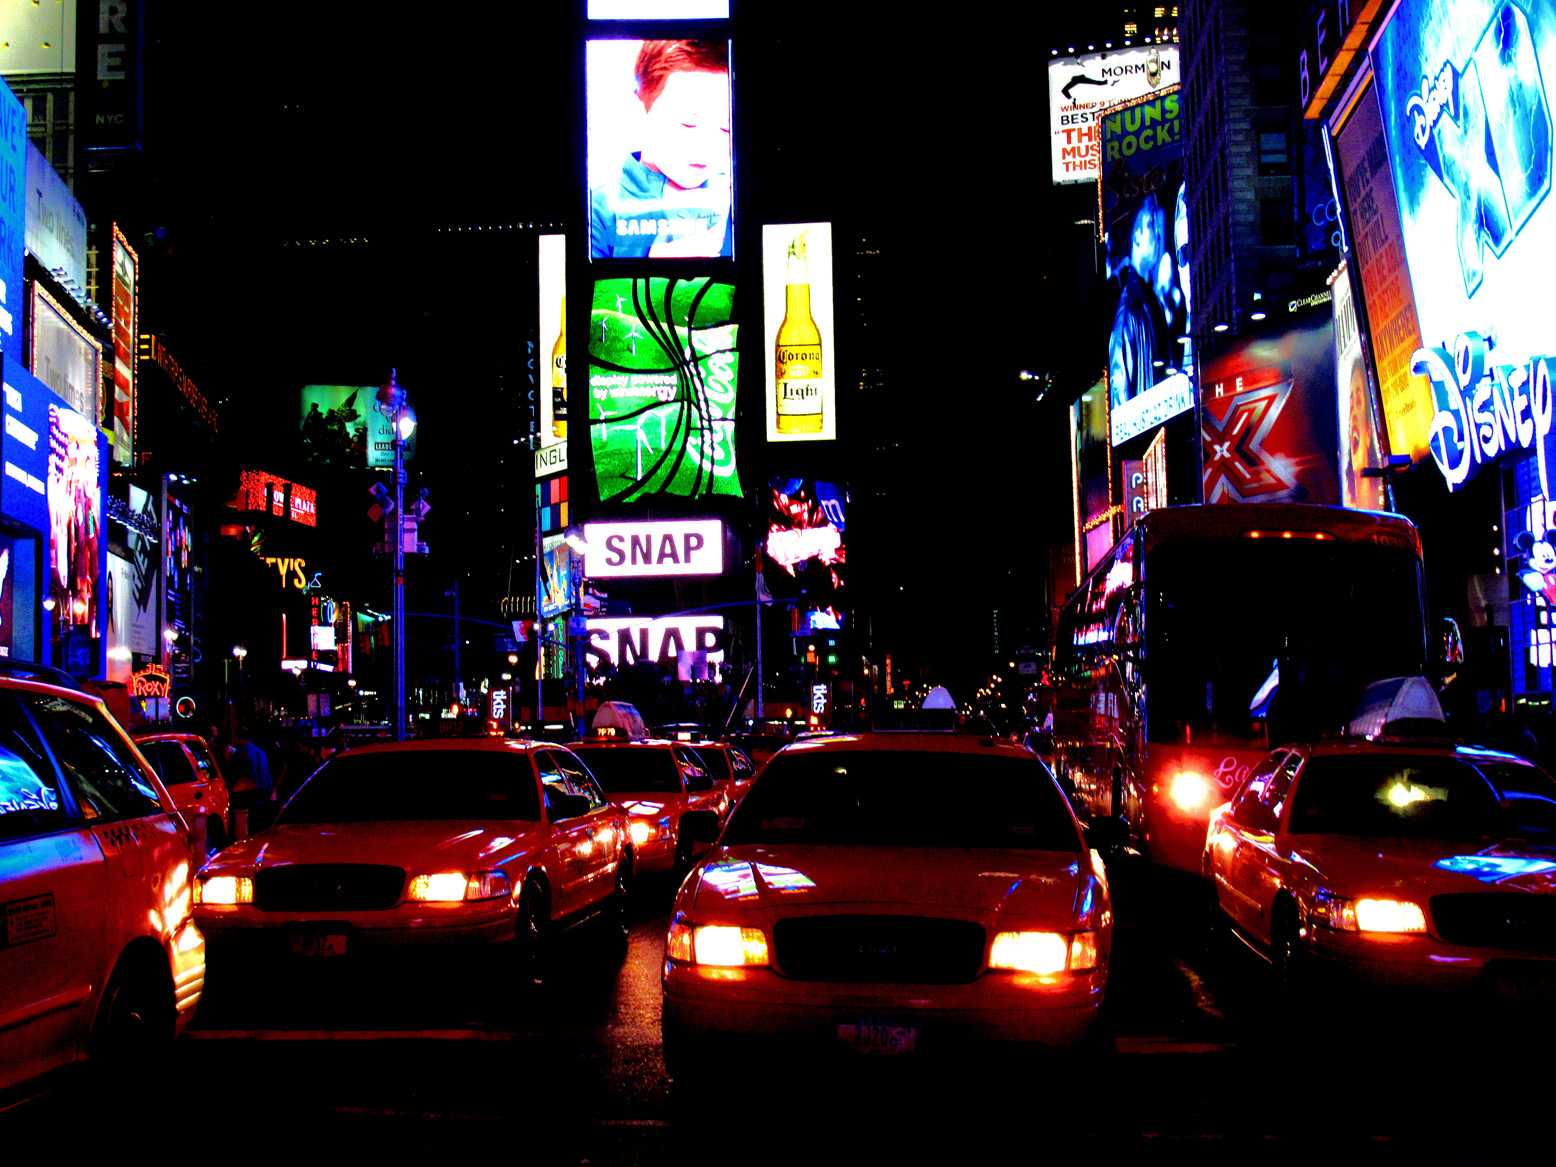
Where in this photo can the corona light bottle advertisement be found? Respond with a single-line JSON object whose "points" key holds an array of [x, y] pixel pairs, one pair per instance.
{"points": [[797, 302]]}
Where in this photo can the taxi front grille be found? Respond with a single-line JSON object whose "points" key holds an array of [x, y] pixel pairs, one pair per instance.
{"points": [[327, 887], [917, 950], [1497, 920]]}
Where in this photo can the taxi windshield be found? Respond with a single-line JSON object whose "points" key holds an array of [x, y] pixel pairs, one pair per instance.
{"points": [[421, 784], [630, 770], [909, 798], [1392, 796]]}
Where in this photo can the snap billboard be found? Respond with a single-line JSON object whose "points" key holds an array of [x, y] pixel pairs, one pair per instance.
{"points": [[672, 548]]}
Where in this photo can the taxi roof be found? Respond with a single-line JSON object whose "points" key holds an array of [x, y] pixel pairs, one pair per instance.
{"points": [[444, 744], [922, 741], [1330, 747]]}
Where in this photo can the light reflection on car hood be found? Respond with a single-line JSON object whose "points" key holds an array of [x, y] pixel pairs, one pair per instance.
{"points": [[449, 845], [1355, 865], [1031, 883]]}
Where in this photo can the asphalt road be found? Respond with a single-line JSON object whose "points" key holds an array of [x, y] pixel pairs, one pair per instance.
{"points": [[324, 1056]]}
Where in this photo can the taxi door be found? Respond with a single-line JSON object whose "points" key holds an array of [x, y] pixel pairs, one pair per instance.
{"points": [[54, 956], [1248, 827], [598, 861], [1268, 861], [572, 835]]}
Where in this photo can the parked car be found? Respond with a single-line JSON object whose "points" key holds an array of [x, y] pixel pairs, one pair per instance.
{"points": [[1410, 865], [904, 894], [512, 844], [100, 957], [189, 771]]}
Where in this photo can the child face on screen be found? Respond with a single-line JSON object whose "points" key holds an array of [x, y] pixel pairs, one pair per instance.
{"points": [[686, 130]]}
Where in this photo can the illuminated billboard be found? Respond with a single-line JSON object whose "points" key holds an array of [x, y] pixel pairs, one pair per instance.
{"points": [[662, 366], [560, 571], [661, 173], [56, 223], [13, 187], [1360, 447], [342, 425], [800, 347], [1468, 123], [1380, 264], [1092, 473], [125, 267], [259, 491], [551, 267], [77, 475], [624, 640], [805, 550], [1267, 421], [1145, 225], [658, 9], [66, 357], [673, 548], [1078, 89]]}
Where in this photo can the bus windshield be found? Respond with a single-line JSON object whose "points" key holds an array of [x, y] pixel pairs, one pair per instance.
{"points": [[1220, 618]]}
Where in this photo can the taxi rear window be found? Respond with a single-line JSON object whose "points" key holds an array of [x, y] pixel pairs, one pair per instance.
{"points": [[420, 784], [624, 770], [906, 798]]}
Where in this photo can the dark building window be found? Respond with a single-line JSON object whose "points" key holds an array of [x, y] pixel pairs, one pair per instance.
{"points": [[1276, 225]]}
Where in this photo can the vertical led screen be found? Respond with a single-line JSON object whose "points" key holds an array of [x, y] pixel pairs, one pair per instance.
{"points": [[1145, 223], [1468, 120], [178, 568], [1093, 475], [13, 190], [1079, 87], [804, 549], [662, 367], [661, 173], [1377, 252], [798, 323], [76, 544], [1359, 445], [125, 265], [559, 583], [121, 587], [145, 575], [551, 268], [1267, 423]]}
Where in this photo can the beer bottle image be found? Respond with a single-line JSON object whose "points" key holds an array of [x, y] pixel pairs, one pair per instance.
{"points": [[798, 357], [559, 379]]}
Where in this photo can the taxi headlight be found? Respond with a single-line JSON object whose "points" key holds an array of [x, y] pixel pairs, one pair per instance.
{"points": [[441, 887], [224, 889], [1389, 916], [719, 945], [1036, 952], [641, 832]]}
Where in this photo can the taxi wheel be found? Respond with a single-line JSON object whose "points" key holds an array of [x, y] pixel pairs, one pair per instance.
{"points": [[135, 1020], [618, 924], [683, 854], [1286, 963], [533, 942]]}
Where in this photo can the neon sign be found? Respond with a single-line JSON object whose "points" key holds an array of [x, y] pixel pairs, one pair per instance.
{"points": [[151, 682], [258, 491]]}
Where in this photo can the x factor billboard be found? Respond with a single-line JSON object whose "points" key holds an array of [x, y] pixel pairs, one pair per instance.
{"points": [[1143, 200], [1468, 121], [1080, 87], [662, 374], [660, 167]]}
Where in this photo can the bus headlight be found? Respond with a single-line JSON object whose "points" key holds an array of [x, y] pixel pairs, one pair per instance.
{"points": [[1189, 791]]}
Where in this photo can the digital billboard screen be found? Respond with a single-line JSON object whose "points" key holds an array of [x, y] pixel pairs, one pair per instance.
{"points": [[1093, 474], [1079, 87], [662, 368], [559, 581], [660, 168], [1267, 421], [76, 543], [551, 268], [658, 9], [125, 266], [1145, 224], [65, 357], [1360, 446], [805, 548], [341, 425], [1468, 122], [13, 190], [798, 322]]}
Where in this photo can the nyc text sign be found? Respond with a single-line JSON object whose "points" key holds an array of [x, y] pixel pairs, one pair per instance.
{"points": [[684, 547]]}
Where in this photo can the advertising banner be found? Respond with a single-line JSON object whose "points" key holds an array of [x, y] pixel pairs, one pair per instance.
{"points": [[1145, 224], [1359, 444], [557, 594], [56, 222], [65, 357], [111, 45], [1079, 87], [178, 580], [662, 366], [551, 504], [125, 266], [661, 173], [342, 424], [1468, 121], [798, 323], [13, 217], [1093, 467], [658, 9], [77, 476], [1267, 424], [551, 267], [24, 448], [145, 635], [121, 602], [665, 548], [1377, 251], [805, 549], [624, 640]]}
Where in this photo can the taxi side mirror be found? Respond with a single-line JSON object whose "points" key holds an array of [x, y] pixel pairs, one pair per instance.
{"points": [[566, 806]]}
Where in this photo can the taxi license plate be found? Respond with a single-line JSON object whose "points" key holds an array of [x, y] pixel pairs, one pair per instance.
{"points": [[318, 944], [870, 1037], [1537, 988]]}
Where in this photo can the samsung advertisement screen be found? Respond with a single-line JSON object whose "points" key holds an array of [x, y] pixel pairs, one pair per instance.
{"points": [[661, 173]]}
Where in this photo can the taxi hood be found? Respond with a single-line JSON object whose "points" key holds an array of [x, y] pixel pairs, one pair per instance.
{"points": [[1040, 884], [448, 845], [1362, 865]]}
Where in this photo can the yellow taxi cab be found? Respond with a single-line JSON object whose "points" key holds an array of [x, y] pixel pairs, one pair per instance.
{"points": [[1409, 864], [184, 763], [661, 786], [728, 766], [99, 957], [455, 844], [898, 894]]}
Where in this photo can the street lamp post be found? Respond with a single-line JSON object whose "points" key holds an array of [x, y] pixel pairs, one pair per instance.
{"points": [[240, 652], [392, 404]]}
